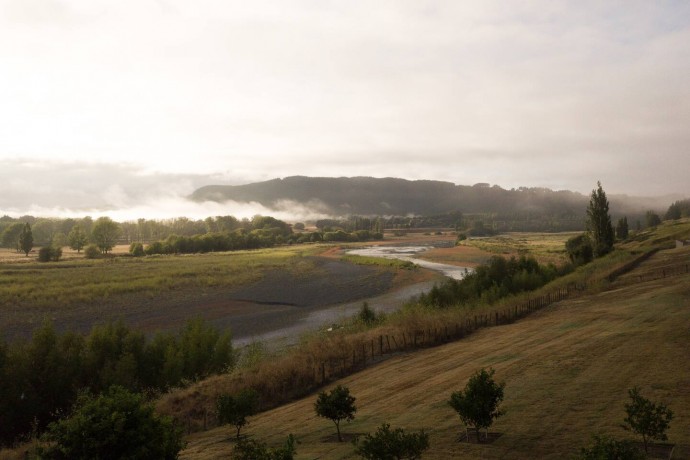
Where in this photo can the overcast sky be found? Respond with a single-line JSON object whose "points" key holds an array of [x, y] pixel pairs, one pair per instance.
{"points": [[105, 105]]}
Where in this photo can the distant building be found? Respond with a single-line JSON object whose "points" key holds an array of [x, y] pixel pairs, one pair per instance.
{"points": [[681, 243]]}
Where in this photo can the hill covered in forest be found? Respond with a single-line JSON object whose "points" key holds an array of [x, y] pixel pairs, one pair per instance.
{"points": [[393, 196]]}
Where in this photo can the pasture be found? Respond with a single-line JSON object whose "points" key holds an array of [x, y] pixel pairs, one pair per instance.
{"points": [[567, 369]]}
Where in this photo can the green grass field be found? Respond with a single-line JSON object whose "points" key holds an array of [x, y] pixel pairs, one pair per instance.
{"points": [[56, 285]]}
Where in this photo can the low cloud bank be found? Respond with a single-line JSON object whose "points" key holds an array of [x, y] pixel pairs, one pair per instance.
{"points": [[123, 193]]}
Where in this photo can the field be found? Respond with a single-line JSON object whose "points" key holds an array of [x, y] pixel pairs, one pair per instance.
{"points": [[567, 371], [567, 367]]}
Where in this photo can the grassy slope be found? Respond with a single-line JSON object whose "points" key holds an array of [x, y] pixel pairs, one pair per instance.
{"points": [[567, 370]]}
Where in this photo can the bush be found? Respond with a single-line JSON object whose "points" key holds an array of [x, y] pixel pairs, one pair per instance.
{"points": [[92, 252], [605, 448], [387, 444], [49, 254], [248, 449], [137, 249], [118, 424]]}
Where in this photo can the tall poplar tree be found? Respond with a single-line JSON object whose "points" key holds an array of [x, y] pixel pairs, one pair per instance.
{"points": [[599, 222], [26, 239]]}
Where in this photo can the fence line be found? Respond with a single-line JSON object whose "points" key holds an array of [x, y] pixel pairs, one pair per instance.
{"points": [[376, 348]]}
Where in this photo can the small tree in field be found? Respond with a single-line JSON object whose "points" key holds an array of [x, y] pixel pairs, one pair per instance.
{"points": [[477, 406], [336, 406], [646, 418], [234, 410], [387, 444]]}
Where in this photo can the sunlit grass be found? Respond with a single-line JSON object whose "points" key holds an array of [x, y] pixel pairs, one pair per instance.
{"points": [[81, 281]]}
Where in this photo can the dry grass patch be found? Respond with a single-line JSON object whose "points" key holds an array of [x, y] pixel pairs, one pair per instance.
{"points": [[567, 370]]}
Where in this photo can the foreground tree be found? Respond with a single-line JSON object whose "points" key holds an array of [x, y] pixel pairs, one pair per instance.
{"points": [[26, 239], [114, 425], [599, 225], [477, 406], [336, 406], [387, 444], [235, 410], [646, 418], [606, 448], [105, 233]]}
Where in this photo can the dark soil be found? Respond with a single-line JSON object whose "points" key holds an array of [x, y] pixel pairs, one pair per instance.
{"points": [[276, 301]]}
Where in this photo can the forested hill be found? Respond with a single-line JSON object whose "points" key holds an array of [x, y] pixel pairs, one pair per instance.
{"points": [[390, 196]]}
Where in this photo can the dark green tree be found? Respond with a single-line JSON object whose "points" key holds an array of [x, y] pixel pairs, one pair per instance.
{"points": [[114, 425], [599, 225], [26, 239], [622, 228], [248, 449], [652, 219], [579, 249], [648, 419], [235, 410], [337, 405], [77, 238], [477, 406], [10, 236], [105, 233], [387, 444], [606, 448]]}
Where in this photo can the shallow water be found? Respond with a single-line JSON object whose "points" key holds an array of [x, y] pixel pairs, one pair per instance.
{"points": [[313, 319], [407, 253]]}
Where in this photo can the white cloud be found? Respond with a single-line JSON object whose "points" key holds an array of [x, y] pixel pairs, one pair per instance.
{"points": [[519, 93]]}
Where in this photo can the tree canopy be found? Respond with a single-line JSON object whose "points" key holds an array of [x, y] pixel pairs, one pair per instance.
{"points": [[477, 405], [115, 425], [599, 225], [337, 405], [105, 233]]}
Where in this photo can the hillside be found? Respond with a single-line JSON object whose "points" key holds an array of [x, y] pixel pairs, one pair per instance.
{"points": [[567, 369], [391, 196]]}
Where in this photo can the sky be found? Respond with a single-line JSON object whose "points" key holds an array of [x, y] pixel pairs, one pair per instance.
{"points": [[126, 107]]}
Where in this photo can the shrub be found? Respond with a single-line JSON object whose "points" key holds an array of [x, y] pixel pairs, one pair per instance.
{"points": [[118, 424], [136, 249], [49, 254], [92, 252], [248, 449], [605, 448], [387, 444]]}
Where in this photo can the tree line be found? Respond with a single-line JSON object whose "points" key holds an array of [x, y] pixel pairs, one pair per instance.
{"points": [[42, 378]]}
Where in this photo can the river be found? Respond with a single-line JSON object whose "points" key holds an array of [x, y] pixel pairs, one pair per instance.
{"points": [[318, 317]]}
